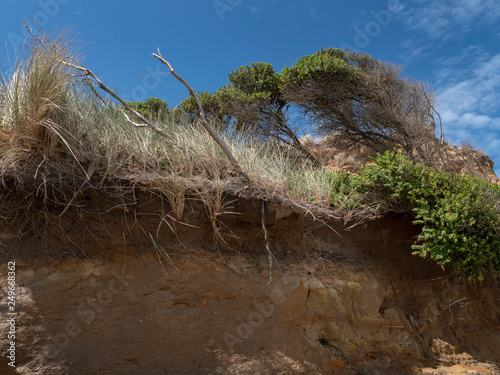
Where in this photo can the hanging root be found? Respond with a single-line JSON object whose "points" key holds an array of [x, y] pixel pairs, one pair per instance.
{"points": [[272, 258]]}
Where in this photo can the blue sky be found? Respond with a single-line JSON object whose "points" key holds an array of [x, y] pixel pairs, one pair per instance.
{"points": [[453, 45]]}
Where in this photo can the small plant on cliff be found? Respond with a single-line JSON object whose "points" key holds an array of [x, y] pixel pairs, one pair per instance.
{"points": [[460, 215]]}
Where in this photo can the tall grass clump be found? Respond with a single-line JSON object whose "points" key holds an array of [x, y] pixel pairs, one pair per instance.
{"points": [[34, 95], [46, 110]]}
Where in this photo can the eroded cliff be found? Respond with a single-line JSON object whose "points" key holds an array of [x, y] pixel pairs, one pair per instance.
{"points": [[141, 295]]}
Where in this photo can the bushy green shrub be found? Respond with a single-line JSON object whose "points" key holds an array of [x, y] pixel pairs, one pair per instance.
{"points": [[327, 61], [153, 109], [460, 215]]}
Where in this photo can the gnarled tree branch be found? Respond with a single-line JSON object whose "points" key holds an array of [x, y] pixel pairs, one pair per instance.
{"points": [[203, 120], [92, 77], [146, 122]]}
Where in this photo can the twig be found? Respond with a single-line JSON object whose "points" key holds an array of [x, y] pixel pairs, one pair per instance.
{"points": [[465, 304], [203, 120], [441, 134], [451, 304], [102, 86], [449, 308], [429, 280], [320, 220]]}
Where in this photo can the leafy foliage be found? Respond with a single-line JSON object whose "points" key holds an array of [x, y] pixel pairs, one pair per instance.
{"points": [[253, 98], [460, 215], [257, 79], [325, 62], [152, 108]]}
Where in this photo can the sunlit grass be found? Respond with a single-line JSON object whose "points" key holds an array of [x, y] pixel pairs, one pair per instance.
{"points": [[46, 109]]}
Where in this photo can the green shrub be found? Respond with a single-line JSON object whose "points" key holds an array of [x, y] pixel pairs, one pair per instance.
{"points": [[459, 214], [152, 108]]}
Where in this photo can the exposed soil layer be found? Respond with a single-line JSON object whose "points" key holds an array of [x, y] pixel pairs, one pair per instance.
{"points": [[130, 290]]}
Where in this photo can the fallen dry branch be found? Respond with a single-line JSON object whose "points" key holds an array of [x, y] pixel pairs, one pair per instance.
{"points": [[146, 123], [93, 78], [203, 120]]}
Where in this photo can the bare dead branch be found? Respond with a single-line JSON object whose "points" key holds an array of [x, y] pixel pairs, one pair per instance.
{"points": [[146, 123], [203, 120], [92, 77], [441, 133]]}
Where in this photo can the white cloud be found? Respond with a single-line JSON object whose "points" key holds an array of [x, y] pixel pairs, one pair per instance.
{"points": [[431, 21], [413, 48], [313, 12], [470, 99], [255, 10], [450, 18]]}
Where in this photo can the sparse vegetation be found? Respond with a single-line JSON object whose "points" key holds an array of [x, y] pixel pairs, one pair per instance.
{"points": [[58, 137], [363, 101]]}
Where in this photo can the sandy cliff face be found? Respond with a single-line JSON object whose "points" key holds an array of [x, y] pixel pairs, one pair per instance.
{"points": [[344, 302], [462, 160]]}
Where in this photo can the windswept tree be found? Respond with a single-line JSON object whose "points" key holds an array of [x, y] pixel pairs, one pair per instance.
{"points": [[254, 100], [211, 104], [363, 101], [254, 97]]}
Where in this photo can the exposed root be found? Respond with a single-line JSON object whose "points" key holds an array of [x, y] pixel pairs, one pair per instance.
{"points": [[268, 247]]}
